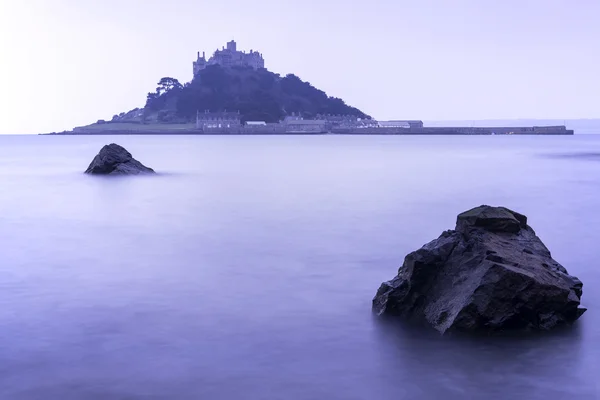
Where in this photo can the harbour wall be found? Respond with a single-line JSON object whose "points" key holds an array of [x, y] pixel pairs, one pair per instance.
{"points": [[542, 130]]}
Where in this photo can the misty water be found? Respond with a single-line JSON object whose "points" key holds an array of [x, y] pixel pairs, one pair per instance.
{"points": [[246, 268]]}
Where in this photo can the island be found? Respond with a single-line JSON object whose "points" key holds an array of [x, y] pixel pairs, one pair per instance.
{"points": [[233, 93]]}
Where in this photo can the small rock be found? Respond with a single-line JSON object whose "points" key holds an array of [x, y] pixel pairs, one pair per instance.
{"points": [[115, 160], [492, 273]]}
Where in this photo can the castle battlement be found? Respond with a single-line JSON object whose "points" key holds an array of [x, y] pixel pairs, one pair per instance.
{"points": [[230, 57]]}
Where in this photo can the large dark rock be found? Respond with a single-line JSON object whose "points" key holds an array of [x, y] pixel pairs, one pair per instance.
{"points": [[115, 160], [491, 273]]}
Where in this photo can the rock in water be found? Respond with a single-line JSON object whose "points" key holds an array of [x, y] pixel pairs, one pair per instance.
{"points": [[115, 160], [492, 273]]}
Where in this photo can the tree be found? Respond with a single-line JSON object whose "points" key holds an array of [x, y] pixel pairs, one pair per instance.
{"points": [[167, 84]]}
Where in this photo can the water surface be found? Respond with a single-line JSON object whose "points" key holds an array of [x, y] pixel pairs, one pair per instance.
{"points": [[246, 269]]}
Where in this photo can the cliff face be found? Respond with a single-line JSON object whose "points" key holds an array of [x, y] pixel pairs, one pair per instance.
{"points": [[256, 94]]}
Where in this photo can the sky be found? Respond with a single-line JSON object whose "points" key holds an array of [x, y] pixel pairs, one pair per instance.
{"points": [[68, 63]]}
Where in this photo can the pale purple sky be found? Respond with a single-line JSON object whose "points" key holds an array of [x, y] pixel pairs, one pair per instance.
{"points": [[70, 62]]}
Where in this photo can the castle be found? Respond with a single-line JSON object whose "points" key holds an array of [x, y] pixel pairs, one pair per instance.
{"points": [[230, 57]]}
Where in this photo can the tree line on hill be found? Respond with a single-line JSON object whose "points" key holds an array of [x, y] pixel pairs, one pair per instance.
{"points": [[259, 95]]}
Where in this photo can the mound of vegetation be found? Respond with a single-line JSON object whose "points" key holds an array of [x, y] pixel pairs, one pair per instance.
{"points": [[259, 95]]}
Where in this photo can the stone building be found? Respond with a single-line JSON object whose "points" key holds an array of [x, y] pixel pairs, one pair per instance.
{"points": [[221, 120], [293, 117], [393, 124], [306, 126], [338, 118], [401, 124], [230, 57]]}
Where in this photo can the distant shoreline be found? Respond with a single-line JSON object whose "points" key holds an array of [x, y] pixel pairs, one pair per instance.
{"points": [[283, 129], [166, 133]]}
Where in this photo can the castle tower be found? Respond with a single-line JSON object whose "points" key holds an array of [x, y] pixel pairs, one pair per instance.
{"points": [[229, 57], [199, 64]]}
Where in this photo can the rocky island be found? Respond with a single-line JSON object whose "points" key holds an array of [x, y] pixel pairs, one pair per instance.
{"points": [[233, 93], [491, 273]]}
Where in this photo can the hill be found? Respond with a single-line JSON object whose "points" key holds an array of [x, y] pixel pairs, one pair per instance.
{"points": [[259, 95]]}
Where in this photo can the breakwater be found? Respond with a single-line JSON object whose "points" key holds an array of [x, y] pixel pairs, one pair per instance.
{"points": [[534, 130]]}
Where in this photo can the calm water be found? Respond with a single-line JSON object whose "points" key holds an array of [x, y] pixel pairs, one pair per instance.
{"points": [[246, 269]]}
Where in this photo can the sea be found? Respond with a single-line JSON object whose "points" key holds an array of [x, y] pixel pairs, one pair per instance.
{"points": [[245, 269]]}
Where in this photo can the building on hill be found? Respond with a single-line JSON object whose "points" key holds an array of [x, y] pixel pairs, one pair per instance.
{"points": [[338, 120], [230, 57], [293, 117], [225, 119], [337, 117]]}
